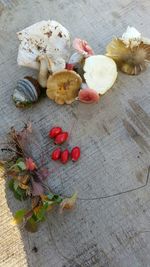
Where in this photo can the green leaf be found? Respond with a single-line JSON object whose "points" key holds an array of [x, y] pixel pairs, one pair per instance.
{"points": [[11, 184], [34, 217], [42, 212], [21, 165], [31, 225], [19, 193], [16, 184], [17, 196], [18, 217], [50, 196], [22, 193], [45, 205], [57, 199], [19, 160]]}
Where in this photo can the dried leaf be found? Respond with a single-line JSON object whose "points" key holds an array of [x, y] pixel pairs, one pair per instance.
{"points": [[43, 173], [37, 188], [35, 201], [50, 205], [16, 139], [23, 186], [2, 163], [23, 178], [68, 203], [31, 226]]}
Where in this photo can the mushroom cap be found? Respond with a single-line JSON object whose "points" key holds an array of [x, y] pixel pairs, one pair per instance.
{"points": [[100, 73], [129, 59], [45, 37], [131, 37], [88, 96], [63, 86]]}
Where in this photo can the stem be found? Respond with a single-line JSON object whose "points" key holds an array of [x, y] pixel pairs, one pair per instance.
{"points": [[45, 67]]}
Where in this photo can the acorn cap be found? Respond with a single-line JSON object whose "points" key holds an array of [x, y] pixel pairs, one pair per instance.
{"points": [[63, 86]]}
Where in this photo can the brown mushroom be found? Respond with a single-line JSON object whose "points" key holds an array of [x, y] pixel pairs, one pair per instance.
{"points": [[63, 86]]}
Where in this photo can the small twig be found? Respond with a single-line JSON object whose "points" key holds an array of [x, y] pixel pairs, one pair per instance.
{"points": [[120, 193], [11, 150]]}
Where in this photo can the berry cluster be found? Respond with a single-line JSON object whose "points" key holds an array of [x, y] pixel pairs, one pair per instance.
{"points": [[60, 137]]}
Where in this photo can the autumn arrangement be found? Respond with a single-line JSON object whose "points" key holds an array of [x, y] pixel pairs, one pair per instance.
{"points": [[27, 181], [67, 71]]}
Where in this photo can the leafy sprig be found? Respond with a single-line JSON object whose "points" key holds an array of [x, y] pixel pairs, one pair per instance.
{"points": [[25, 183]]}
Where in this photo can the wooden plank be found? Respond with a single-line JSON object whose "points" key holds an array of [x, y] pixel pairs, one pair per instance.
{"points": [[114, 136]]}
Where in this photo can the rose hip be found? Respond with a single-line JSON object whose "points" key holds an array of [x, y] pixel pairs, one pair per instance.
{"points": [[54, 132], [61, 138], [56, 154], [75, 153], [69, 66], [65, 156]]}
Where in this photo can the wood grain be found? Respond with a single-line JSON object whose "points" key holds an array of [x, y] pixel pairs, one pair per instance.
{"points": [[114, 136]]}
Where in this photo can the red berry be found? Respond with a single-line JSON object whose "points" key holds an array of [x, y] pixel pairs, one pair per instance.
{"points": [[75, 153], [61, 138], [65, 156], [56, 154], [69, 66], [54, 132]]}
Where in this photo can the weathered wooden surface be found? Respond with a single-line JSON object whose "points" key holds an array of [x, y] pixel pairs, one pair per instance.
{"points": [[114, 136]]}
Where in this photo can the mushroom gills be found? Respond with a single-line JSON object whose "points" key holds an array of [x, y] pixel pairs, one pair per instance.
{"points": [[100, 73], [131, 52], [63, 86]]}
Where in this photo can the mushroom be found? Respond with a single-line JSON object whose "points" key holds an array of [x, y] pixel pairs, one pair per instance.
{"points": [[77, 59], [100, 73], [83, 47], [131, 52], [88, 96], [63, 86], [48, 38]]}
